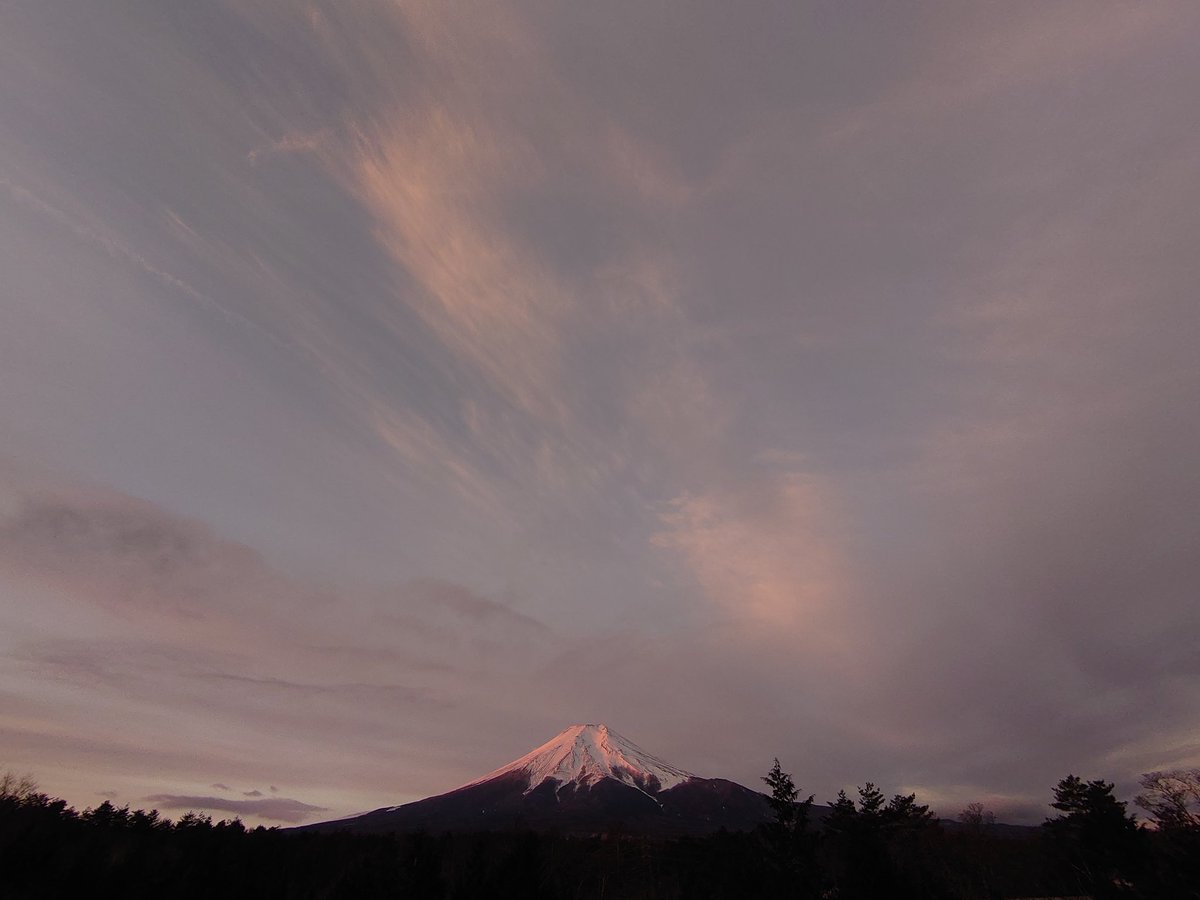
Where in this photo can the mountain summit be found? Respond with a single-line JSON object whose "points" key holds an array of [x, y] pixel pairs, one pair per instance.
{"points": [[583, 755], [587, 779]]}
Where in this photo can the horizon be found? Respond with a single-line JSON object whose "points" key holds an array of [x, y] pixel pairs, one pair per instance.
{"points": [[382, 385], [289, 816]]}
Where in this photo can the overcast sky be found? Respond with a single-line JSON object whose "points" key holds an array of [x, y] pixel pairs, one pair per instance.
{"points": [[385, 386]]}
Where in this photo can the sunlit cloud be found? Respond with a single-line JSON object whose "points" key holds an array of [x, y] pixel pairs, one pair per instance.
{"points": [[289, 143], [484, 297], [767, 555]]}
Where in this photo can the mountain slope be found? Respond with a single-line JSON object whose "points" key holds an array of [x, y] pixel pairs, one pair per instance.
{"points": [[587, 779]]}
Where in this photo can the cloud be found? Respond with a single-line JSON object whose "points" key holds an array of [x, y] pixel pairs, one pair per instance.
{"points": [[93, 231], [126, 553], [510, 250], [254, 793], [224, 638], [289, 143], [766, 554], [278, 809], [485, 296], [221, 787], [463, 602]]}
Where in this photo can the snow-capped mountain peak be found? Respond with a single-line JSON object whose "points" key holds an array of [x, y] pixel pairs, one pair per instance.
{"points": [[582, 781], [586, 754]]}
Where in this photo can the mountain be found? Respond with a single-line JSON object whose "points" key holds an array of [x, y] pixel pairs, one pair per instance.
{"points": [[586, 780]]}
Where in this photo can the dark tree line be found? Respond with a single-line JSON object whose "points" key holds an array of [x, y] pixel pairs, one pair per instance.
{"points": [[1094, 847], [868, 846]]}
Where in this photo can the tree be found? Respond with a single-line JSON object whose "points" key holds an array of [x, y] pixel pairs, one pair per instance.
{"points": [[1172, 799], [789, 814], [976, 818], [1091, 804], [904, 811], [194, 821], [978, 851], [876, 847], [1094, 834], [107, 815], [16, 788], [842, 813], [870, 800], [791, 846], [140, 820]]}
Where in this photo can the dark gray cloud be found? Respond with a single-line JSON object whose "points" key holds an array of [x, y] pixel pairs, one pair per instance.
{"points": [[156, 541], [129, 554], [278, 809]]}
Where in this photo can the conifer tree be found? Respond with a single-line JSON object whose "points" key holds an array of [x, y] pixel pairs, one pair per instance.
{"points": [[1094, 835], [792, 846]]}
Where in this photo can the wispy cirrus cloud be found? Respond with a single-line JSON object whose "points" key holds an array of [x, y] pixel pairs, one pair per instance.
{"points": [[486, 297]]}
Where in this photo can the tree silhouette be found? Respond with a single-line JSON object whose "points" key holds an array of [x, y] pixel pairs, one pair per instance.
{"points": [[876, 848], [791, 844], [1094, 835], [789, 814], [1173, 800], [976, 817]]}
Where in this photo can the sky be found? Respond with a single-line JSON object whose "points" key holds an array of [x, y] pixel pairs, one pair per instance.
{"points": [[385, 386]]}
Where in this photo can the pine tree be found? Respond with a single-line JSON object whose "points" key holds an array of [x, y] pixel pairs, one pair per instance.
{"points": [[783, 796], [1094, 834], [791, 845]]}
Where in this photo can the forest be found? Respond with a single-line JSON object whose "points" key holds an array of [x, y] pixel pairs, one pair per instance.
{"points": [[863, 847]]}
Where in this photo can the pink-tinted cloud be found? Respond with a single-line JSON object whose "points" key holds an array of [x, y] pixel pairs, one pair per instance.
{"points": [[766, 555]]}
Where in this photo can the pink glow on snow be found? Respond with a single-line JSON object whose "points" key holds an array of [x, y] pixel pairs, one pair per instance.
{"points": [[585, 754]]}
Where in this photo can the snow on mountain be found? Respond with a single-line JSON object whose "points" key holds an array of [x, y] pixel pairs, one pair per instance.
{"points": [[586, 754]]}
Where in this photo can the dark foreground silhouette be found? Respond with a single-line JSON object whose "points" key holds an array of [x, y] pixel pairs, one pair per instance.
{"points": [[871, 847]]}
